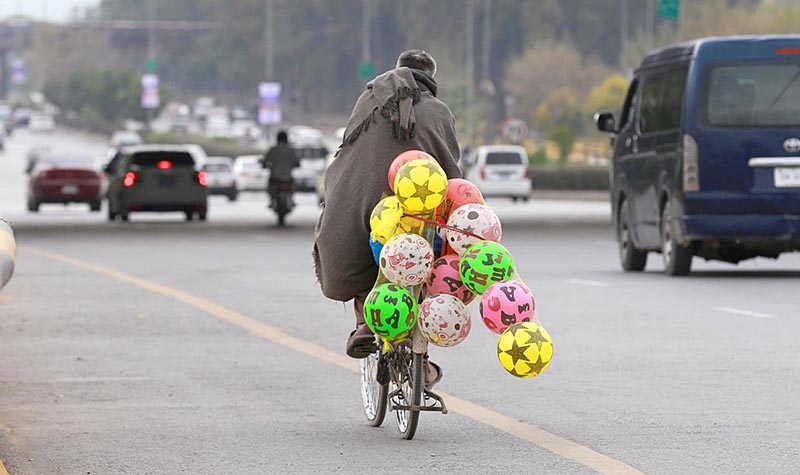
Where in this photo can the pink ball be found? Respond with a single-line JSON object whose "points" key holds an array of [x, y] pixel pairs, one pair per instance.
{"points": [[445, 279], [505, 304]]}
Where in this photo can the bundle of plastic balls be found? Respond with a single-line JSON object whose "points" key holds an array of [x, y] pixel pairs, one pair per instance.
{"points": [[436, 238]]}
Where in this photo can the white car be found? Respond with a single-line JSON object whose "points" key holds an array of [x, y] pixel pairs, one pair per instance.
{"points": [[125, 138], [40, 122], [221, 180], [250, 173], [499, 170]]}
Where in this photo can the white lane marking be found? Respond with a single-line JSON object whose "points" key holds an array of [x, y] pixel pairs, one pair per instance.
{"points": [[746, 313], [588, 283]]}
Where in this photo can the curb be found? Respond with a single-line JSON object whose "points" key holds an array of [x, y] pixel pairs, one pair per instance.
{"points": [[8, 252]]}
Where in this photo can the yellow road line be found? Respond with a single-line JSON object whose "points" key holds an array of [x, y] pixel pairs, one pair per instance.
{"points": [[558, 445]]}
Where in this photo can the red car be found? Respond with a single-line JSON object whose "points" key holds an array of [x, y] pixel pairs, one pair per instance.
{"points": [[65, 179]]}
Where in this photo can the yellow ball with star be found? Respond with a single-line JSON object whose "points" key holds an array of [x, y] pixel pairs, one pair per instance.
{"points": [[525, 349], [420, 186], [384, 219]]}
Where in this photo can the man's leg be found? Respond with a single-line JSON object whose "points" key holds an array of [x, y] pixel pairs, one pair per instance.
{"points": [[361, 342]]}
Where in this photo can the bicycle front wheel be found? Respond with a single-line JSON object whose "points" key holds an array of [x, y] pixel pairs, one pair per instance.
{"points": [[373, 394], [408, 387]]}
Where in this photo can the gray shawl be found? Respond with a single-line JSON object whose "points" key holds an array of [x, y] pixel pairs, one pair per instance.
{"points": [[398, 111]]}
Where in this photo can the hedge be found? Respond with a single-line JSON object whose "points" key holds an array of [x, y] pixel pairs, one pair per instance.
{"points": [[569, 178]]}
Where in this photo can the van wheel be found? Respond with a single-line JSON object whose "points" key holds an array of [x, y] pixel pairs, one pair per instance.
{"points": [[112, 216], [202, 215], [677, 258], [632, 259], [189, 215]]}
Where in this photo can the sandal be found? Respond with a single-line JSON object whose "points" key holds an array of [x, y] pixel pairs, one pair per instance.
{"points": [[433, 373], [361, 343]]}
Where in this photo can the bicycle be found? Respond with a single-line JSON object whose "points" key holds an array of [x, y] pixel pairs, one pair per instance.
{"points": [[400, 369]]}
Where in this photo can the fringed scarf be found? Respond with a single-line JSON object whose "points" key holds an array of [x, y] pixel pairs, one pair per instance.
{"points": [[393, 94]]}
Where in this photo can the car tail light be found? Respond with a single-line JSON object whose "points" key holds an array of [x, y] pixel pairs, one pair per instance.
{"points": [[164, 165], [202, 178], [483, 173], [691, 170], [130, 179]]}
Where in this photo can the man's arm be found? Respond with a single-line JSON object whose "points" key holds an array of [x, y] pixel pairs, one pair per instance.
{"points": [[438, 137]]}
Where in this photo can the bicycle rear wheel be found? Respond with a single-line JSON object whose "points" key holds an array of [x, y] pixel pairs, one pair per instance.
{"points": [[407, 390], [373, 394]]}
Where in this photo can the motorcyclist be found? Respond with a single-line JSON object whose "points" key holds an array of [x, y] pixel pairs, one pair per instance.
{"points": [[280, 160]]}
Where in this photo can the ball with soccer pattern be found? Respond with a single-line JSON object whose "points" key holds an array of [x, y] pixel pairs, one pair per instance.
{"points": [[525, 349], [420, 186]]}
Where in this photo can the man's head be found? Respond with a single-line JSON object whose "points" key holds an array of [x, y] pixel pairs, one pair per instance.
{"points": [[417, 59], [282, 137]]}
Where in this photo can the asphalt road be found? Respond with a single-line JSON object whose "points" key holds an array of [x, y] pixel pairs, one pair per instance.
{"points": [[164, 347]]}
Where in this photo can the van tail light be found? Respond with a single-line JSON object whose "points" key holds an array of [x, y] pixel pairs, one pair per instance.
{"points": [[202, 178], [527, 172], [691, 169], [483, 173], [130, 179]]}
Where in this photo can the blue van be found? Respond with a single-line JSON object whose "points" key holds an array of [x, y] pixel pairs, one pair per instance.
{"points": [[706, 153]]}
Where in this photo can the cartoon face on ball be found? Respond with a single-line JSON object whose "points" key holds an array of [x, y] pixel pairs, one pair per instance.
{"points": [[472, 222], [444, 320], [505, 304], [406, 259]]}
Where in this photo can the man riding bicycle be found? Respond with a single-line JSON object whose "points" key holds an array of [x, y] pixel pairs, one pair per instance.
{"points": [[398, 111]]}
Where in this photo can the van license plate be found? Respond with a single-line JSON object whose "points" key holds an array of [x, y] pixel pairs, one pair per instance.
{"points": [[787, 177]]}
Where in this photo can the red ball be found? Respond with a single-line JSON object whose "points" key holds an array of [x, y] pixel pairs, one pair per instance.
{"points": [[459, 193], [404, 158]]}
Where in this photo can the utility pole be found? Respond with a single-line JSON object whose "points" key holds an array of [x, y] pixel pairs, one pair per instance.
{"points": [[487, 40], [623, 35], [151, 35], [268, 39], [470, 76], [650, 23], [681, 16], [366, 21]]}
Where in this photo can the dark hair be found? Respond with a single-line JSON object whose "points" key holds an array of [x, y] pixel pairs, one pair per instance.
{"points": [[417, 59], [282, 137]]}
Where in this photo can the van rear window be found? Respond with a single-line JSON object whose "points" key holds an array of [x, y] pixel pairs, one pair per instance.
{"points": [[753, 95], [503, 158], [151, 159]]}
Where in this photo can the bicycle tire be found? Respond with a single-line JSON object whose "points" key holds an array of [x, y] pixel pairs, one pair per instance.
{"points": [[407, 420], [373, 394]]}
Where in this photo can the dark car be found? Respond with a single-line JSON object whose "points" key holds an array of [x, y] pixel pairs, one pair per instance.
{"points": [[157, 178], [57, 178], [707, 153]]}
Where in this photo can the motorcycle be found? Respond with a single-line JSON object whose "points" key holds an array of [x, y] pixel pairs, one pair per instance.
{"points": [[281, 200]]}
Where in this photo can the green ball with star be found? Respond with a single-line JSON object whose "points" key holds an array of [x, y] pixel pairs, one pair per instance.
{"points": [[525, 349]]}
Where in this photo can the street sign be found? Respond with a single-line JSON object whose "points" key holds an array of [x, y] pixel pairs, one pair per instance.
{"points": [[514, 130], [367, 70], [150, 96], [669, 9], [18, 75], [269, 103]]}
